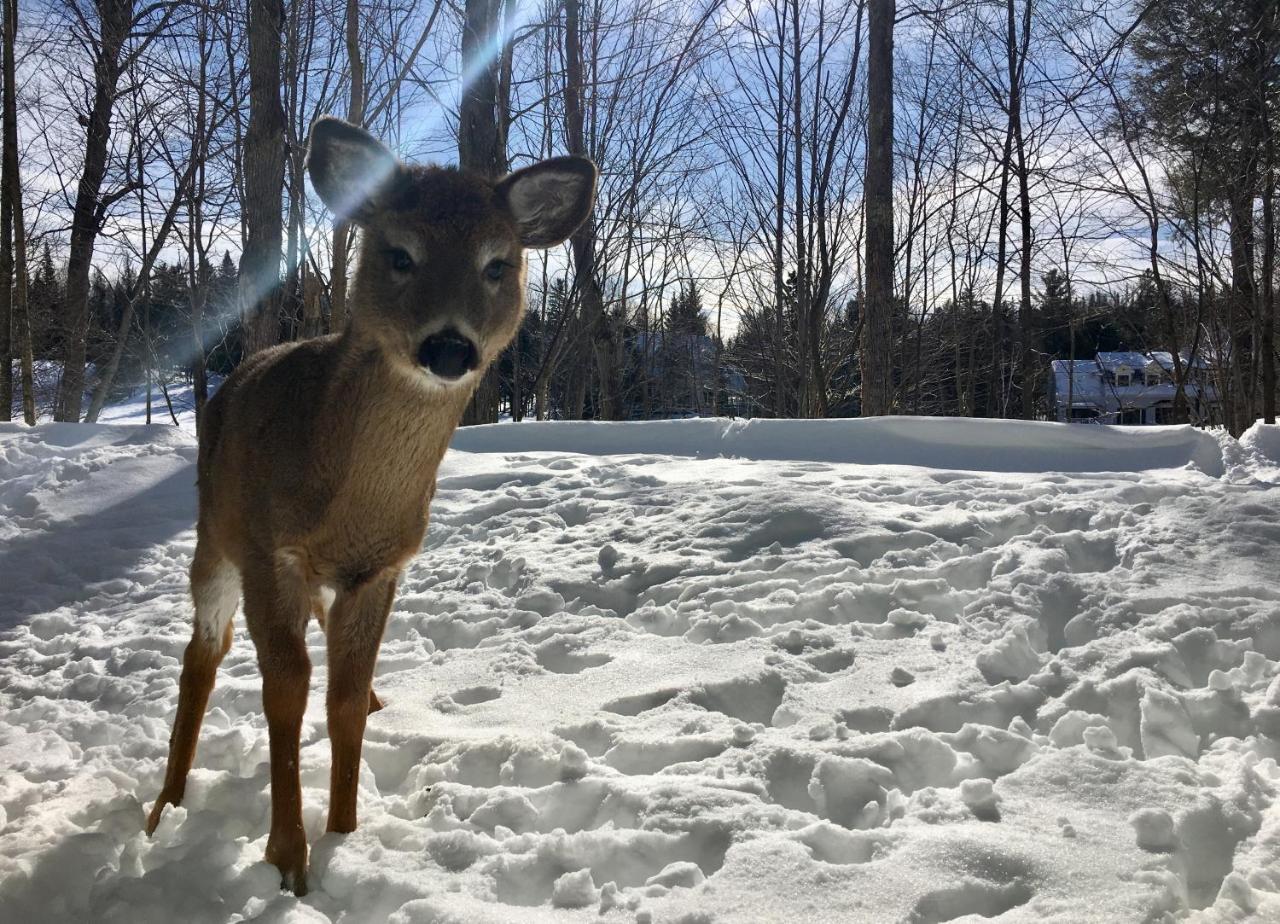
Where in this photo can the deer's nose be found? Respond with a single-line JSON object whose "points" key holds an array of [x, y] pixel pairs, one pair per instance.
{"points": [[449, 354]]}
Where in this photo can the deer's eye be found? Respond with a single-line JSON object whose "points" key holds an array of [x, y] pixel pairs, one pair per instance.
{"points": [[495, 269], [400, 260]]}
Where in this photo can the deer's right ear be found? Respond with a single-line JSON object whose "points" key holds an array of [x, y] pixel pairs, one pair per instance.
{"points": [[353, 171], [550, 199]]}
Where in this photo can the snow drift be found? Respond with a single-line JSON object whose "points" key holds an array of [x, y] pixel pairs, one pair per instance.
{"points": [[955, 443]]}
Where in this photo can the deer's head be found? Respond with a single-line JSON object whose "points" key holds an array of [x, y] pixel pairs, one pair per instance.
{"points": [[439, 283]]}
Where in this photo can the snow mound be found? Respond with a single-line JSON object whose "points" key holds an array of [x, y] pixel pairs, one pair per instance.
{"points": [[1262, 441], [950, 443], [660, 672]]}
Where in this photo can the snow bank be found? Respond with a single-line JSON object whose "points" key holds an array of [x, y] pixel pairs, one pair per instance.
{"points": [[626, 680], [1262, 441], [952, 443]]}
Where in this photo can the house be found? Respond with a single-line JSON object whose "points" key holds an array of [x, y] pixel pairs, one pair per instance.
{"points": [[1128, 387]]}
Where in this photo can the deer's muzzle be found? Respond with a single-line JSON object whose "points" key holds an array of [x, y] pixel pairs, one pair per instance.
{"points": [[448, 354]]}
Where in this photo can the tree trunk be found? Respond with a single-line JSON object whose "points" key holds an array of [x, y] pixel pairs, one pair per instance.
{"points": [[1027, 336], [876, 349], [1242, 296], [263, 180], [779, 225], [355, 115], [19, 327], [1268, 40], [479, 135], [808, 387], [6, 236], [1268, 345], [199, 374], [197, 266], [481, 143], [115, 18], [147, 351], [584, 239]]}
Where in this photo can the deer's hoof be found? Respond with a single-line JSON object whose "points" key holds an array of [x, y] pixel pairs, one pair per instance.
{"points": [[291, 859], [164, 799]]}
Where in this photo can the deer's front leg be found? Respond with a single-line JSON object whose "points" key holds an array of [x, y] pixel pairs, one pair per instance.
{"points": [[354, 631], [276, 605]]}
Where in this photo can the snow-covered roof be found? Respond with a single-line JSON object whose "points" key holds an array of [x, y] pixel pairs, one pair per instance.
{"points": [[1164, 359], [1088, 381], [1113, 360], [1092, 383]]}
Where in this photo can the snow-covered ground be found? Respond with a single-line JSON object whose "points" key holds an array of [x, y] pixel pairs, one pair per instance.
{"points": [[133, 408], [899, 670], [128, 404]]}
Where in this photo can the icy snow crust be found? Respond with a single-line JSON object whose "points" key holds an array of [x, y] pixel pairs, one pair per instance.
{"points": [[898, 670]]}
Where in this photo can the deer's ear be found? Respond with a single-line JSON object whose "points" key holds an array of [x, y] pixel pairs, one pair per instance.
{"points": [[550, 199], [353, 171]]}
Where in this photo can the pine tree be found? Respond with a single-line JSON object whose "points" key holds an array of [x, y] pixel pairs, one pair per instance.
{"points": [[686, 315], [45, 301]]}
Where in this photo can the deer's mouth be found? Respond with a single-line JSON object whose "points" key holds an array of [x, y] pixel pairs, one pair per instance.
{"points": [[448, 354]]}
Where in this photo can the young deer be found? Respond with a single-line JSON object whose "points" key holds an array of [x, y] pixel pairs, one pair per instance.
{"points": [[318, 459]]}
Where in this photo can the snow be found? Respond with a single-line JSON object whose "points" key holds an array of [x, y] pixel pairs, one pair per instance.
{"points": [[128, 407], [952, 443], [688, 671]]}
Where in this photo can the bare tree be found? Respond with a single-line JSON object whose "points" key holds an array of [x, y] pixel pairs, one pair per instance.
{"points": [[264, 157], [13, 243], [482, 133], [583, 241], [876, 354], [355, 115], [118, 38]]}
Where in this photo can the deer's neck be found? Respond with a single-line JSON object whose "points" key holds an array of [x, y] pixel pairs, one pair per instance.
{"points": [[398, 426]]}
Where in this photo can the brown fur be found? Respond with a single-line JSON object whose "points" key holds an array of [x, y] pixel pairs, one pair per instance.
{"points": [[317, 463]]}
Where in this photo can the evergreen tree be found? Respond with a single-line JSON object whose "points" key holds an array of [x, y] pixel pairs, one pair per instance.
{"points": [[685, 315], [44, 307]]}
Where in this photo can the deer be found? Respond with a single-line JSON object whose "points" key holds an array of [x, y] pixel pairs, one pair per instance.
{"points": [[317, 459]]}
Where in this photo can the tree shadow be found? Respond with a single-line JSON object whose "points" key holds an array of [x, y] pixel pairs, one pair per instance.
{"points": [[57, 565]]}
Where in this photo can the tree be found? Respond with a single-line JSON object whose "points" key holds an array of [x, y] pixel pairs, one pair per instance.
{"points": [[355, 115], [876, 353], [686, 315], [482, 148], [264, 158], [1206, 89], [14, 316], [118, 39], [599, 326]]}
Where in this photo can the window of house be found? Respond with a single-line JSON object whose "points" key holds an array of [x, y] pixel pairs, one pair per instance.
{"points": [[1164, 414], [1123, 379], [1153, 379], [1131, 417]]}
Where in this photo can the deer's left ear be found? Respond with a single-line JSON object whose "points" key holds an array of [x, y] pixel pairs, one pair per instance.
{"points": [[549, 199]]}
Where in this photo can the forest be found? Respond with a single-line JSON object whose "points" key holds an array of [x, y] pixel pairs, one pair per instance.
{"points": [[805, 208]]}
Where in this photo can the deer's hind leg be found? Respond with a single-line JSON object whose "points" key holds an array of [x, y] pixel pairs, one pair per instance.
{"points": [[215, 588]]}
